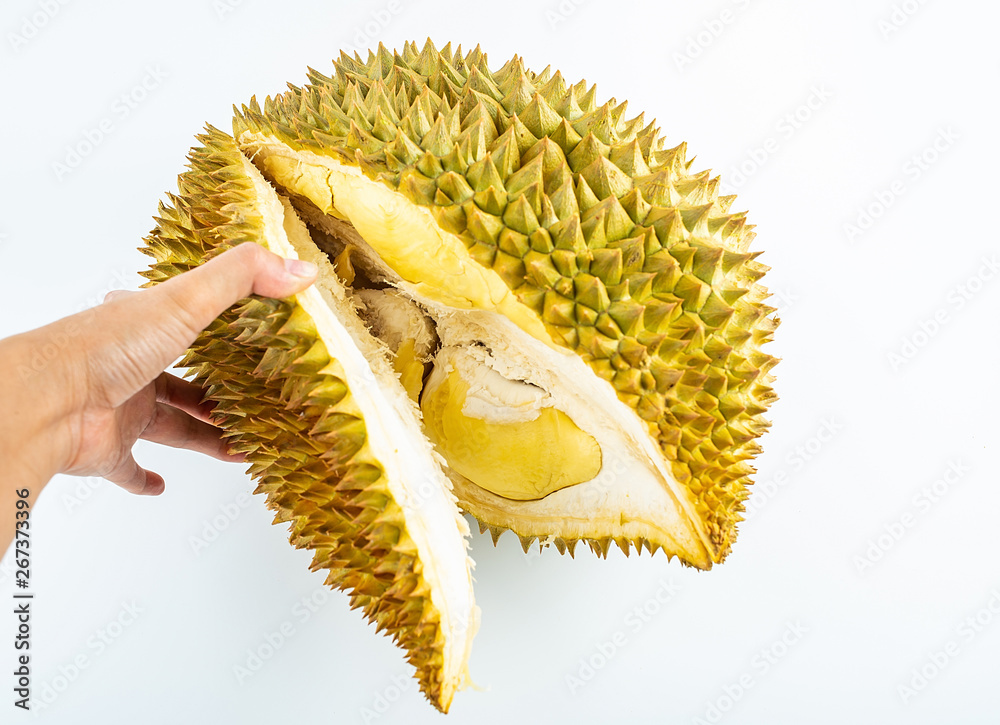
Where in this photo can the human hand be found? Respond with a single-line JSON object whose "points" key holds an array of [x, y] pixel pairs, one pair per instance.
{"points": [[82, 412]]}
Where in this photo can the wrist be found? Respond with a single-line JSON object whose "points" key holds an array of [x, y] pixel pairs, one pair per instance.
{"points": [[36, 406]]}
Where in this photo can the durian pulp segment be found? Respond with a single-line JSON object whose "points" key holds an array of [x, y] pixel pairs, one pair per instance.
{"points": [[634, 498], [506, 436], [412, 472]]}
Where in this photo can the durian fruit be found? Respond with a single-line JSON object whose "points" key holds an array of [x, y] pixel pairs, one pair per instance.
{"points": [[537, 289], [593, 300]]}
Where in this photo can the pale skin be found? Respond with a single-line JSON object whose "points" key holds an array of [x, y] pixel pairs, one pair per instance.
{"points": [[99, 384]]}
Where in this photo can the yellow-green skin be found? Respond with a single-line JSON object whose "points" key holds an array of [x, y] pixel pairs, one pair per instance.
{"points": [[629, 259], [278, 401]]}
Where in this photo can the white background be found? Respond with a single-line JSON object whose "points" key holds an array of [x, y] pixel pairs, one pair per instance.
{"points": [[859, 561]]}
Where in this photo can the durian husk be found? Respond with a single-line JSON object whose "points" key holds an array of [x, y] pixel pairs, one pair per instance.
{"points": [[390, 538], [610, 246]]}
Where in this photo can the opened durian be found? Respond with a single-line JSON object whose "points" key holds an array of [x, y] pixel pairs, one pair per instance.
{"points": [[527, 308]]}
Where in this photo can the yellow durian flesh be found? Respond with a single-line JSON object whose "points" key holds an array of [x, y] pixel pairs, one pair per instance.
{"points": [[503, 435]]}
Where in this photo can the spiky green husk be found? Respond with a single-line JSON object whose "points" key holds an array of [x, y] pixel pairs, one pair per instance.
{"points": [[630, 260], [281, 401]]}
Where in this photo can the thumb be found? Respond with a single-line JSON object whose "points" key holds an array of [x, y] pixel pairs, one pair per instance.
{"points": [[199, 296], [155, 326]]}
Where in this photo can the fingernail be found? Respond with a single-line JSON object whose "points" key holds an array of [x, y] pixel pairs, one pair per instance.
{"points": [[301, 269]]}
